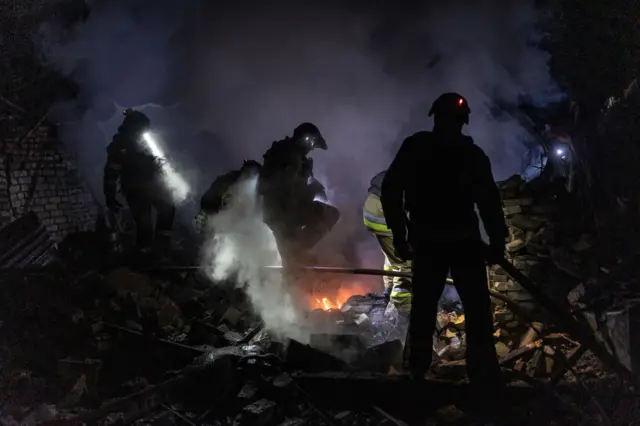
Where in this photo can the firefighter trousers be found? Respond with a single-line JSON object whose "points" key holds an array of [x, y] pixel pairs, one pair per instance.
{"points": [[466, 262], [399, 289], [141, 206]]}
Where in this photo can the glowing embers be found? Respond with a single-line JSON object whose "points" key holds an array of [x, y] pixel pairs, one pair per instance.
{"points": [[326, 304]]}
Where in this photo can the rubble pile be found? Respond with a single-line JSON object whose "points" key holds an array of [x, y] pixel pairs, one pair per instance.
{"points": [[359, 332], [124, 345], [552, 244], [87, 339], [546, 244]]}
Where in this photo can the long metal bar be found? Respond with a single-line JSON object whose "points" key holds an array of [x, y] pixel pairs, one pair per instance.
{"points": [[326, 269], [352, 271]]}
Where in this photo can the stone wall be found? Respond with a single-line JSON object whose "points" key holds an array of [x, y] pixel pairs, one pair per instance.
{"points": [[38, 174]]}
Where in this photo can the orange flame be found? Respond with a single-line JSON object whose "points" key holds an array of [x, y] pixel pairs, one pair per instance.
{"points": [[327, 305], [337, 300]]}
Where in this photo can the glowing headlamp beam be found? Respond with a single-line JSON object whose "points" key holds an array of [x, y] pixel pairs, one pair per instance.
{"points": [[179, 188]]}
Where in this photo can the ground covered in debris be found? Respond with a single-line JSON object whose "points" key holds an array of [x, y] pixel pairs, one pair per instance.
{"points": [[81, 342]]}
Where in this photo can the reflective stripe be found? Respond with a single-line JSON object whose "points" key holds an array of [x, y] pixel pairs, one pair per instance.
{"points": [[373, 218], [376, 226]]}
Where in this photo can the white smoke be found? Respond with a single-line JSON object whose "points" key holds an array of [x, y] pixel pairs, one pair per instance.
{"points": [[239, 248]]}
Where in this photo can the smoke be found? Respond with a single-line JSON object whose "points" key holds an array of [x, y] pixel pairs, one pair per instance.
{"points": [[240, 248], [248, 73]]}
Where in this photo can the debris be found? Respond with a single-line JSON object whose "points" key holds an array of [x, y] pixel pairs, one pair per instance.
{"points": [[582, 244], [304, 357], [512, 210], [232, 316], [515, 245], [260, 413], [532, 334], [622, 330], [282, 380], [78, 390], [362, 320], [41, 414], [524, 223], [248, 391], [501, 349], [24, 243], [72, 370], [125, 282], [293, 422]]}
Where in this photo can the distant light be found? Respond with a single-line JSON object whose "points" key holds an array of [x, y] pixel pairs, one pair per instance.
{"points": [[179, 188], [559, 151]]}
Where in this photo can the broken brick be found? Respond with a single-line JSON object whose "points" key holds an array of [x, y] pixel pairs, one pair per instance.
{"points": [[259, 413], [524, 223], [515, 245], [293, 422], [232, 316], [511, 210], [248, 391]]}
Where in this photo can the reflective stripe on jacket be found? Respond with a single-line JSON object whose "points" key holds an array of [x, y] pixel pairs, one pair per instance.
{"points": [[373, 215]]}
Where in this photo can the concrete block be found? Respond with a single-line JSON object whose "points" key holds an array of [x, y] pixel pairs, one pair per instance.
{"points": [[623, 326]]}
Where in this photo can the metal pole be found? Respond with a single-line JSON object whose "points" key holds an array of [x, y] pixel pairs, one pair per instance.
{"points": [[326, 269], [351, 271]]}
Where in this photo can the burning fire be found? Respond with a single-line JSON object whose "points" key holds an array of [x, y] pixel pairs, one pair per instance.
{"points": [[335, 301], [327, 305]]}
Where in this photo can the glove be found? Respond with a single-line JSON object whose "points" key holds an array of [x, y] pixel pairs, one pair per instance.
{"points": [[495, 253], [113, 204], [403, 249]]}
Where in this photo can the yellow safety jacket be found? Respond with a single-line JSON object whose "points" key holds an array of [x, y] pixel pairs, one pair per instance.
{"points": [[373, 216]]}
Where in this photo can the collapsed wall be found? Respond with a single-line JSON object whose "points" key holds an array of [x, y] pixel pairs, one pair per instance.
{"points": [[37, 174], [547, 243]]}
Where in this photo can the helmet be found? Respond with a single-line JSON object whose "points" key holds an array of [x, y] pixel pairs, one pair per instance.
{"points": [[251, 166], [135, 120], [451, 104], [309, 133]]}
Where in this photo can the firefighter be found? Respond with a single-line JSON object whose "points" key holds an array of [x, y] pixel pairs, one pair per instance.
{"points": [[139, 172], [428, 196], [218, 196], [294, 201], [397, 290]]}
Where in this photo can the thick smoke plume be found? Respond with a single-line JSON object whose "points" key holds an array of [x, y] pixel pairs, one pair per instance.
{"points": [[239, 75], [238, 249]]}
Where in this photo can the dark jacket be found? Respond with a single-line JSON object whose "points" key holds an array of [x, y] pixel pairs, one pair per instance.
{"points": [[432, 186], [286, 179], [287, 156], [375, 186], [129, 162], [216, 196]]}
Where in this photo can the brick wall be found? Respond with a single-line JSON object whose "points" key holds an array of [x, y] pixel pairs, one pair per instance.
{"points": [[38, 174]]}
